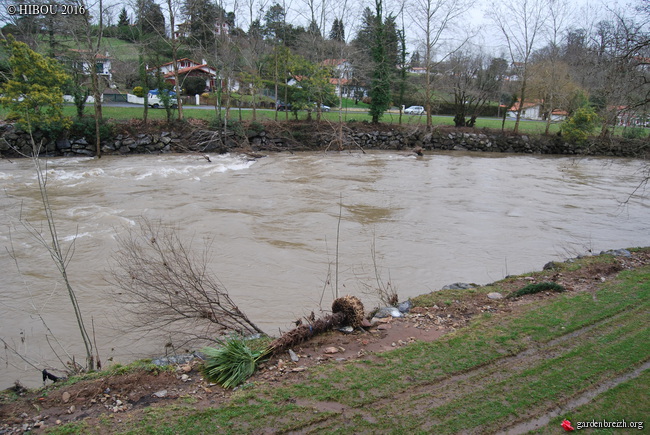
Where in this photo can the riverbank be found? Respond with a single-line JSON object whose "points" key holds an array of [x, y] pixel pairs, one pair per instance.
{"points": [[196, 136], [461, 361]]}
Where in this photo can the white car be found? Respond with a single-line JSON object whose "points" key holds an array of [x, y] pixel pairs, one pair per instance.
{"points": [[414, 110]]}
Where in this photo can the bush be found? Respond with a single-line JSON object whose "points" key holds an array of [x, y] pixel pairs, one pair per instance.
{"points": [[215, 123], [138, 91], [536, 288], [634, 133], [256, 127], [194, 85], [579, 126], [85, 127]]}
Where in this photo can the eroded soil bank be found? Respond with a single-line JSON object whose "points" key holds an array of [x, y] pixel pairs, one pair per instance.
{"points": [[118, 399]]}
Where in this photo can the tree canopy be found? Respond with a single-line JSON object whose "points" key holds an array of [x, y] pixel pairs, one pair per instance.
{"points": [[33, 93]]}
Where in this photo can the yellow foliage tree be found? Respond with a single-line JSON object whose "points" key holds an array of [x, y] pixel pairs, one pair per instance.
{"points": [[33, 93]]}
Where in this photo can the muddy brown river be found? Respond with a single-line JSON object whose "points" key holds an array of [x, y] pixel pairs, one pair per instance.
{"points": [[434, 220]]}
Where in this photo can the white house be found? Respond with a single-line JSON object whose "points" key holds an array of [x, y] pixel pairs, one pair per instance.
{"points": [[221, 28], [531, 110], [343, 78], [189, 68], [80, 60], [534, 111]]}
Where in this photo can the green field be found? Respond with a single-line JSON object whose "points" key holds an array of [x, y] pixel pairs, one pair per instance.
{"points": [[392, 117]]}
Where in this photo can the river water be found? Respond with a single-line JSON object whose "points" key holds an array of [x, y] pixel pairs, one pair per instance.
{"points": [[418, 223]]}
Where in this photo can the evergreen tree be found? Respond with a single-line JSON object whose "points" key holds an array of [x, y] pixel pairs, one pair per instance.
{"points": [[275, 26], [381, 74], [34, 91], [255, 30], [150, 17], [364, 38], [338, 31], [123, 20], [202, 17], [313, 29], [416, 60]]}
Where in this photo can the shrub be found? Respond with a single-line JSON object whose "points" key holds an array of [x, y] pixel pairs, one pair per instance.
{"points": [[194, 85], [579, 126], [256, 127], [536, 288], [138, 91], [634, 133], [85, 127], [215, 123], [232, 363]]}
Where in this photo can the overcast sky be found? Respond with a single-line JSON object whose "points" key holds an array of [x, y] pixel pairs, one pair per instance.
{"points": [[489, 40]]}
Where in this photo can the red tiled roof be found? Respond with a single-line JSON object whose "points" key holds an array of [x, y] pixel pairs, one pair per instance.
{"points": [[340, 81], [527, 105], [204, 68]]}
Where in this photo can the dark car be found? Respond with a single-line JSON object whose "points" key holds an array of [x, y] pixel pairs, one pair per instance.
{"points": [[282, 107]]}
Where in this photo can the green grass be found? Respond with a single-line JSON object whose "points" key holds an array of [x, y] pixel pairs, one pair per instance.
{"points": [[577, 340], [348, 103], [117, 48], [627, 402], [135, 112]]}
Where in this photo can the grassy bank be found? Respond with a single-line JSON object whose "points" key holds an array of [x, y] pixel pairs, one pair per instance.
{"points": [[501, 369], [352, 115]]}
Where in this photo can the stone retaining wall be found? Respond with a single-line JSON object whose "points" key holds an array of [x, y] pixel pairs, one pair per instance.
{"points": [[306, 137]]}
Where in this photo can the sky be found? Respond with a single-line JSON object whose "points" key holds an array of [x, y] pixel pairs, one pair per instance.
{"points": [[489, 40]]}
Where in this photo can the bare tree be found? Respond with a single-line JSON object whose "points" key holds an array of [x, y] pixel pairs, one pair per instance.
{"points": [[174, 44], [433, 19], [89, 35], [167, 287], [61, 256], [473, 80], [522, 24], [550, 81]]}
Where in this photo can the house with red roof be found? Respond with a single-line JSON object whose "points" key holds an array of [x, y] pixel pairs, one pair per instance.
{"points": [[82, 61], [189, 68], [534, 110]]}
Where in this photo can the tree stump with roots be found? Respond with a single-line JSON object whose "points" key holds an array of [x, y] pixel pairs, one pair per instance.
{"points": [[346, 311]]}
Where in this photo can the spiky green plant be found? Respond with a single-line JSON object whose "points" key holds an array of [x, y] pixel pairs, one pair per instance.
{"points": [[536, 288], [232, 363]]}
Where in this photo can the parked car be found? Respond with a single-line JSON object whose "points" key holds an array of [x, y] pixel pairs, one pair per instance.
{"points": [[414, 110], [282, 107], [323, 108], [155, 101]]}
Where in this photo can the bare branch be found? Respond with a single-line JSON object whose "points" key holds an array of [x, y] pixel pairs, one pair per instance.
{"points": [[168, 288]]}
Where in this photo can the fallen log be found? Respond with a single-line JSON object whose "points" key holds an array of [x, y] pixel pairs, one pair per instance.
{"points": [[346, 311]]}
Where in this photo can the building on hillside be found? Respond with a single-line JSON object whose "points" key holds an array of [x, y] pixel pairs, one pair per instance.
{"points": [[221, 28], [343, 79], [81, 61], [630, 117], [189, 68], [417, 70]]}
